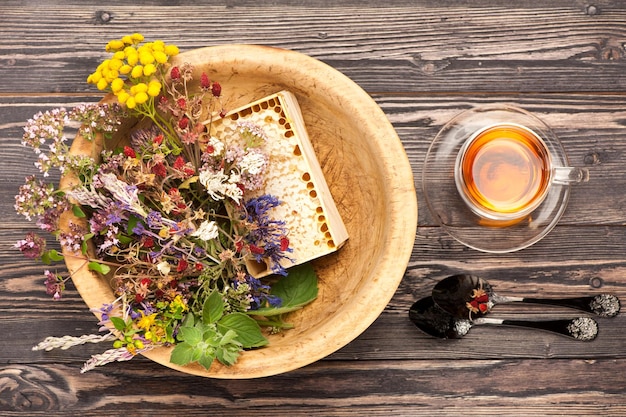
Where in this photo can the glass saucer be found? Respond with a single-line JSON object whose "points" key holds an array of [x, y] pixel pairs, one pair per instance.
{"points": [[448, 207]]}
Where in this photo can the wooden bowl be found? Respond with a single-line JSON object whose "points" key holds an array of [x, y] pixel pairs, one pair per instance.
{"points": [[371, 182]]}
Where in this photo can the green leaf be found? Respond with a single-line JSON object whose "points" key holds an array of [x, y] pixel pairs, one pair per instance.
{"points": [[132, 223], [228, 354], [98, 267], [119, 323], [191, 335], [247, 329], [182, 354], [124, 240], [296, 290], [206, 361], [213, 308], [78, 212], [51, 256]]}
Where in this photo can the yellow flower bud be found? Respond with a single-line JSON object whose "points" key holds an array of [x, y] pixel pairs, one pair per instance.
{"points": [[171, 50], [132, 58], [115, 64], [140, 88], [128, 40], [116, 85], [137, 71], [119, 55], [137, 37], [102, 84], [111, 75], [141, 98], [149, 69], [158, 45], [130, 103], [154, 88], [123, 96], [114, 45], [146, 58], [160, 57], [94, 78], [126, 69]]}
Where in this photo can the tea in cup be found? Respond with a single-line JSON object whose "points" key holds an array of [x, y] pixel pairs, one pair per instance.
{"points": [[504, 171]]}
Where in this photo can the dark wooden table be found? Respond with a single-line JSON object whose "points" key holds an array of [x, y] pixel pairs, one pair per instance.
{"points": [[423, 62]]}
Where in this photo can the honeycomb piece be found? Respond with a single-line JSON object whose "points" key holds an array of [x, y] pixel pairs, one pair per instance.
{"points": [[294, 176]]}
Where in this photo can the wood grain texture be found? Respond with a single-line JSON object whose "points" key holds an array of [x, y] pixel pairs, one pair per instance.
{"points": [[423, 62], [449, 48]]}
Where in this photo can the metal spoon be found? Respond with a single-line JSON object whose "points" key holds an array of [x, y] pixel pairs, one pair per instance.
{"points": [[471, 296], [433, 320]]}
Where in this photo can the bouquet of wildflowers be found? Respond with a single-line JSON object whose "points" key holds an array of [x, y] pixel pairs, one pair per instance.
{"points": [[167, 215]]}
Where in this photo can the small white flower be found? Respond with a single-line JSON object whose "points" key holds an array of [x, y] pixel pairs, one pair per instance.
{"points": [[213, 182], [164, 268], [253, 163], [207, 231]]}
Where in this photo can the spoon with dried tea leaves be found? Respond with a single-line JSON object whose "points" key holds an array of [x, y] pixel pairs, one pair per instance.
{"points": [[470, 296], [433, 320]]}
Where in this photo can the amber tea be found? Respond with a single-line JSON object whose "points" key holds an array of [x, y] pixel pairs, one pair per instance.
{"points": [[503, 171]]}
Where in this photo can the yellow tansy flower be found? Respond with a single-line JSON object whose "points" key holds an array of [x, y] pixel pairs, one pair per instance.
{"points": [[102, 84], [171, 50], [125, 69], [149, 69], [154, 88], [114, 45], [117, 85], [160, 57], [137, 71]]}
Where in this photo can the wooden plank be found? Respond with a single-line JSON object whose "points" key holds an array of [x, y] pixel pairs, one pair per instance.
{"points": [[490, 47], [381, 388]]}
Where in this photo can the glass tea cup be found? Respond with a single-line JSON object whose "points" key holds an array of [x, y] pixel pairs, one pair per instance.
{"points": [[497, 179], [504, 171]]}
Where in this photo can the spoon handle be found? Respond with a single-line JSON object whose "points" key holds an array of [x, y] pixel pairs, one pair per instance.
{"points": [[604, 305], [582, 328]]}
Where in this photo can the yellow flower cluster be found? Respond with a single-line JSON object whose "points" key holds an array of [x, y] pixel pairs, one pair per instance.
{"points": [[139, 64]]}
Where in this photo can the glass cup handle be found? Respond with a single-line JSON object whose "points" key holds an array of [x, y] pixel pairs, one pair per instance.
{"points": [[569, 175]]}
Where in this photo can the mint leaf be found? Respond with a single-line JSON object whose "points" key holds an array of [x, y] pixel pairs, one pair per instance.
{"points": [[213, 308], [182, 354], [191, 335], [228, 354], [247, 329], [206, 361]]}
